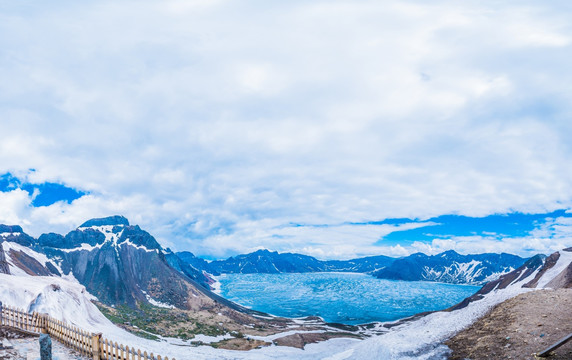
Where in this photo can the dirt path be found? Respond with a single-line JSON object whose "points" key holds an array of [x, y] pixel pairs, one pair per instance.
{"points": [[518, 328]]}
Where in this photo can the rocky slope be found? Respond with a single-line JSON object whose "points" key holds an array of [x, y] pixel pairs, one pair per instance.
{"points": [[538, 272], [518, 328], [197, 263]]}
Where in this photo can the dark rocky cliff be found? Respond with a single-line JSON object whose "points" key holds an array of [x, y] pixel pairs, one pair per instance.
{"points": [[4, 269], [123, 264], [14, 233]]}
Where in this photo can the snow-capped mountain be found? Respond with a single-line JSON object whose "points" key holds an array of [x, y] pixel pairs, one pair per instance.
{"points": [[451, 267], [538, 272], [122, 264], [117, 262]]}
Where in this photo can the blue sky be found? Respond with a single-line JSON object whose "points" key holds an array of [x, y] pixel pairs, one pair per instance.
{"points": [[43, 194], [224, 127]]}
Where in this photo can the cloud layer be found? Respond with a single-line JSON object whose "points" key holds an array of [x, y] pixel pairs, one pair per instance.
{"points": [[216, 124]]}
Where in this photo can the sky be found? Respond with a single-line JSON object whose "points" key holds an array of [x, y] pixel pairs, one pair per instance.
{"points": [[336, 129]]}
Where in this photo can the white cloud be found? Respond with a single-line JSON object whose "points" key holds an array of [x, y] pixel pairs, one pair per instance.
{"points": [[14, 207], [344, 241], [523, 246], [212, 124]]}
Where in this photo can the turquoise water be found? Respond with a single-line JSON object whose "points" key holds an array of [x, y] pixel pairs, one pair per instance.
{"points": [[347, 298]]}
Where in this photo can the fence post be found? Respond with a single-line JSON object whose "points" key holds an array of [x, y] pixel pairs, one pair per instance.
{"points": [[95, 345], [44, 323]]}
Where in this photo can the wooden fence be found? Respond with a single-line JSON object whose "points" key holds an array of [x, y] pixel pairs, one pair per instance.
{"points": [[88, 344]]}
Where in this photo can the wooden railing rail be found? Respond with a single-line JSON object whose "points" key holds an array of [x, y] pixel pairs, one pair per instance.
{"points": [[546, 352], [88, 344]]}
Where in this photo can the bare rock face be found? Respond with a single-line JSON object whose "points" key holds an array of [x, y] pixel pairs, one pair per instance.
{"points": [[14, 233], [30, 265], [4, 269]]}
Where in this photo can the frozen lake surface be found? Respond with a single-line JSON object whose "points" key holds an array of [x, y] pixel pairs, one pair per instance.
{"points": [[347, 298]]}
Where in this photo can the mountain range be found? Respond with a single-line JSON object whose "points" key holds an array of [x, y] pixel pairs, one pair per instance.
{"points": [[272, 262], [448, 267], [121, 263]]}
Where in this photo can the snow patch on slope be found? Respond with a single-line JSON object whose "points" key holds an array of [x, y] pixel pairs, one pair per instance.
{"points": [[563, 261], [41, 258], [110, 237], [83, 247], [497, 275], [157, 303], [138, 247], [457, 272], [6, 234], [461, 273], [107, 230], [62, 299]]}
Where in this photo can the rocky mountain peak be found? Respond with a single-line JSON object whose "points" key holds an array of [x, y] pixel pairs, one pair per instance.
{"points": [[449, 253], [10, 229], [264, 252], [106, 221], [14, 233]]}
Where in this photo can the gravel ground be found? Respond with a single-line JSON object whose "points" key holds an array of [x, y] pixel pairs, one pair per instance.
{"points": [[518, 328]]}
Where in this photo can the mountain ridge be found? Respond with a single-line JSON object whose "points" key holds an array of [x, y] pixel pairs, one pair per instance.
{"points": [[114, 234], [449, 266]]}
